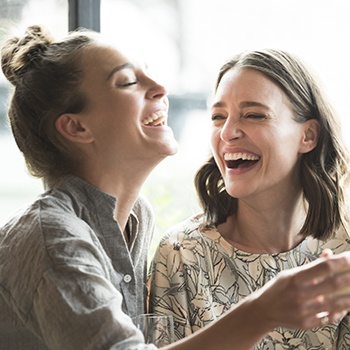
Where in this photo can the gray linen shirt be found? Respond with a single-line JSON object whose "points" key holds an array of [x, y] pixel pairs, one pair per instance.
{"points": [[68, 279]]}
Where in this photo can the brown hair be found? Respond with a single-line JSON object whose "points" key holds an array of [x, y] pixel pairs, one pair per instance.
{"points": [[324, 170], [46, 77]]}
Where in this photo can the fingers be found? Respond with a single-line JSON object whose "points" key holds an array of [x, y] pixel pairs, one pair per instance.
{"points": [[336, 284], [324, 268], [319, 319], [323, 319], [324, 310], [327, 253], [309, 294], [335, 317]]}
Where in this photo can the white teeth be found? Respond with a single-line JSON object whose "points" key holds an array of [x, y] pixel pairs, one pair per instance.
{"points": [[154, 116], [148, 120], [161, 115], [240, 155]]}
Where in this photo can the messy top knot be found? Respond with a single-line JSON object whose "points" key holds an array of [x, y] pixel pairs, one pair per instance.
{"points": [[18, 54], [47, 76]]}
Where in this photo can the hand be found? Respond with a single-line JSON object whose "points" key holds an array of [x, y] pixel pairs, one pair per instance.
{"points": [[342, 291], [306, 296]]}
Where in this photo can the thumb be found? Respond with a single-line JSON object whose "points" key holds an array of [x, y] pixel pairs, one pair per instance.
{"points": [[326, 253]]}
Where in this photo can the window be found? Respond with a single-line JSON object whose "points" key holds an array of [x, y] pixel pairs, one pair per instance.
{"points": [[188, 40], [185, 42], [16, 187]]}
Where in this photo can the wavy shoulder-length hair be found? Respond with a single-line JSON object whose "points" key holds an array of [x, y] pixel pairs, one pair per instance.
{"points": [[324, 170]]}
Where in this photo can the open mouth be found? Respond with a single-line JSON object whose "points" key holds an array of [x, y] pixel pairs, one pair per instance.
{"points": [[155, 119], [240, 160]]}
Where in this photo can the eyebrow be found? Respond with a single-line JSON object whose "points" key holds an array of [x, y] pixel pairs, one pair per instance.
{"points": [[119, 68], [243, 104]]}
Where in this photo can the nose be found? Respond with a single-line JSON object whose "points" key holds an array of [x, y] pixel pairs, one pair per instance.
{"points": [[231, 130], [155, 90]]}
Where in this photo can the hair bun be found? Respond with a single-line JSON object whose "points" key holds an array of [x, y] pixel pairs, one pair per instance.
{"points": [[18, 54]]}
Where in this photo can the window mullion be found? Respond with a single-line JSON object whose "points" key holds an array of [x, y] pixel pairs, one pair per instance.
{"points": [[84, 13]]}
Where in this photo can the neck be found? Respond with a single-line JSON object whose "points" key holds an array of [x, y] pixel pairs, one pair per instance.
{"points": [[268, 229], [123, 185]]}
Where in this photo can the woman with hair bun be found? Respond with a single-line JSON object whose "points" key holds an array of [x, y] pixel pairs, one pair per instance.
{"points": [[92, 124]]}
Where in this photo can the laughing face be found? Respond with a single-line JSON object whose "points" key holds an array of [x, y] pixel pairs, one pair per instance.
{"points": [[256, 142], [126, 111]]}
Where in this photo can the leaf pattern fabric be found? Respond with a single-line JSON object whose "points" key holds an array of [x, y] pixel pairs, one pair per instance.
{"points": [[196, 276]]}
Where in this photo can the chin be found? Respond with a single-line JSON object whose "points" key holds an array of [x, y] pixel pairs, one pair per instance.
{"points": [[170, 148], [236, 191], [174, 149]]}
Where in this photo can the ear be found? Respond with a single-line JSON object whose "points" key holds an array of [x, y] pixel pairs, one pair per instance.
{"points": [[73, 129], [310, 136]]}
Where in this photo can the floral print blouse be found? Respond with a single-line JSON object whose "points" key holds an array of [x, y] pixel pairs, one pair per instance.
{"points": [[196, 276]]}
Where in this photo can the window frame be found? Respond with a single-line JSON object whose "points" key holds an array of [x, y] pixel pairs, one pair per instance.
{"points": [[84, 13]]}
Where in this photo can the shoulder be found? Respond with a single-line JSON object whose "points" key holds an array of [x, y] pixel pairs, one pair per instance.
{"points": [[47, 226], [59, 216], [36, 239], [339, 243], [187, 232], [47, 234], [45, 210], [183, 244]]}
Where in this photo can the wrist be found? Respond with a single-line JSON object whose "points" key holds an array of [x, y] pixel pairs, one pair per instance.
{"points": [[259, 318]]}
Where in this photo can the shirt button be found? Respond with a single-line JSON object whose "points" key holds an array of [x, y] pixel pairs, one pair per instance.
{"points": [[127, 278]]}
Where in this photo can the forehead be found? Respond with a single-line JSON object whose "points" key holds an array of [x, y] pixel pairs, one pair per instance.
{"points": [[248, 76], [103, 56], [248, 83]]}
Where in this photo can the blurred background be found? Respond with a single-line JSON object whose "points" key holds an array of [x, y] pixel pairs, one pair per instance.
{"points": [[184, 42]]}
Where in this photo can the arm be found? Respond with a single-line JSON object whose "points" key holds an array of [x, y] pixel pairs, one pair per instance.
{"points": [[77, 307], [65, 292], [293, 299]]}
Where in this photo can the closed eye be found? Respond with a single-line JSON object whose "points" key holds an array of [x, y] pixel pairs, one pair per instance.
{"points": [[255, 116], [129, 83], [217, 117]]}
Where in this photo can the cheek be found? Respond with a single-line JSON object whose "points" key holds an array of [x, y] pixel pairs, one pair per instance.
{"points": [[215, 140], [215, 150], [284, 155], [124, 104]]}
